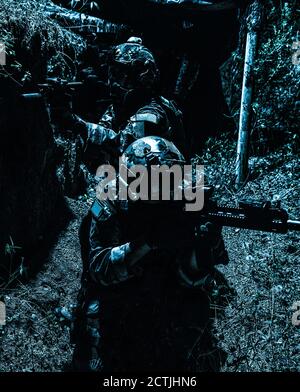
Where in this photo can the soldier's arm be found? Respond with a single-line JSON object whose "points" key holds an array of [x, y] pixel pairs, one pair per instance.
{"points": [[90, 132], [98, 136], [110, 261], [149, 120]]}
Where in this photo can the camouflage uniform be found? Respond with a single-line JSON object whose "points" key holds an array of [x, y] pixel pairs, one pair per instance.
{"points": [[141, 306], [137, 109], [108, 139]]}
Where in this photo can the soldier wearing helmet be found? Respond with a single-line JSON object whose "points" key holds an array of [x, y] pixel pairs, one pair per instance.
{"points": [[141, 304], [132, 72], [137, 109]]}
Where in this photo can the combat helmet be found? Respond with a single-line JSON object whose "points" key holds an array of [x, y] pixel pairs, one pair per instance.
{"points": [[156, 155], [152, 150]]}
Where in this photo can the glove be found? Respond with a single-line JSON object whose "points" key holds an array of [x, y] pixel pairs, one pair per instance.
{"points": [[211, 245], [58, 98], [58, 94]]}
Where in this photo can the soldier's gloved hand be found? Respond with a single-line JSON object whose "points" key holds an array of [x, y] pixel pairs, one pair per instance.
{"points": [[209, 237], [58, 94], [209, 229], [58, 98]]}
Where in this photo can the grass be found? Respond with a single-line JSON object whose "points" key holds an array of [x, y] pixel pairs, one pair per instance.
{"points": [[33, 339], [256, 331]]}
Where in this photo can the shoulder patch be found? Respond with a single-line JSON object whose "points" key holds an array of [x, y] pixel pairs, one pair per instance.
{"points": [[102, 210], [149, 117]]}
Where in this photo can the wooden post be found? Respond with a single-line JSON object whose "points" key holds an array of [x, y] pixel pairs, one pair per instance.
{"points": [[253, 24]]}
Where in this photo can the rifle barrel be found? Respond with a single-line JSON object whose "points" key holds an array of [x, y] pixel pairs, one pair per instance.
{"points": [[232, 217], [293, 225], [31, 96]]}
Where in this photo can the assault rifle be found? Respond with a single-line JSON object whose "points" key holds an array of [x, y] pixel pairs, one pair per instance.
{"points": [[250, 214], [58, 86]]}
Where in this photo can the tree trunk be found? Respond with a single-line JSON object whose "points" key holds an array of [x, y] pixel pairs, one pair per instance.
{"points": [[253, 24]]}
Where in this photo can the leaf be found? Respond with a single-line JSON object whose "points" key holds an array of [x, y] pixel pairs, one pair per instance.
{"points": [[93, 4]]}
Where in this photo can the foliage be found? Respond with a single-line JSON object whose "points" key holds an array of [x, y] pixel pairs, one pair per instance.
{"points": [[254, 328], [276, 79], [30, 35]]}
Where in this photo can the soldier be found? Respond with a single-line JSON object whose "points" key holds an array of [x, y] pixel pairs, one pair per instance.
{"points": [[141, 303], [137, 109]]}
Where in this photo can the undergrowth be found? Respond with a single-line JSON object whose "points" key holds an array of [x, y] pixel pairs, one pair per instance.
{"points": [[29, 36]]}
